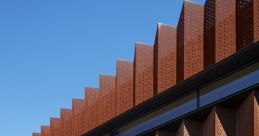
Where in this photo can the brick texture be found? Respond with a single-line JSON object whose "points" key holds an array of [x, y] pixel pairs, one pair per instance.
{"points": [[66, 122], [247, 22], [54, 126], [220, 122], [108, 98], [143, 73], [35, 134], [219, 30], [92, 95], [190, 128], [164, 58], [45, 131], [247, 116], [77, 107], [190, 40], [124, 86]]}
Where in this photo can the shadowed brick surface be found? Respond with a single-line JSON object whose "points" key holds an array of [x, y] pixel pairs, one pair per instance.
{"points": [[247, 116], [247, 22], [220, 122], [164, 58], [190, 128], [164, 133]]}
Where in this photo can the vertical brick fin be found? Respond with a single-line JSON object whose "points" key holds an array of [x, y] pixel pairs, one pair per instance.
{"points": [[66, 122], [164, 133], [256, 20], [225, 29], [54, 126], [143, 73], [109, 85], [245, 23], [209, 124], [190, 40], [35, 134], [164, 58], [77, 107], [124, 86], [247, 116], [209, 33], [108, 96], [221, 121], [86, 113], [92, 96], [190, 128], [45, 131], [225, 121]]}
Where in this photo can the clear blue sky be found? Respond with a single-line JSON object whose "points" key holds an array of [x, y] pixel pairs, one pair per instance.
{"points": [[51, 49]]}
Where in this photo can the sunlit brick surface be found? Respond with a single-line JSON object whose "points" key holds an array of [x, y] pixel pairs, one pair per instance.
{"points": [[220, 30], [81, 122], [66, 122], [92, 95], [54, 126], [77, 107], [164, 58], [124, 86], [190, 40], [45, 131], [35, 134], [143, 72], [107, 98]]}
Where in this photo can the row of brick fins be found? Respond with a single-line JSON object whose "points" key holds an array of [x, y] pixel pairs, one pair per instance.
{"points": [[204, 36], [222, 121]]}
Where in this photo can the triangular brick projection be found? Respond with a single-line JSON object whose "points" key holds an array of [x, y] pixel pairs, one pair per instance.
{"points": [[165, 57], [219, 30], [143, 72], [124, 86], [190, 40], [66, 122], [77, 108], [247, 116], [221, 121], [92, 105], [190, 128]]}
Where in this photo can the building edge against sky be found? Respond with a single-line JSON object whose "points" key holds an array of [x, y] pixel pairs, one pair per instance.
{"points": [[218, 29]]}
